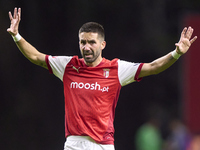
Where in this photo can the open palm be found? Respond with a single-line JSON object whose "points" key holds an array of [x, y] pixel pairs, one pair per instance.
{"points": [[15, 19], [184, 43]]}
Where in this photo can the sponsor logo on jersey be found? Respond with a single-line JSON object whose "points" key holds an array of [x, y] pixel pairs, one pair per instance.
{"points": [[76, 68], [88, 86], [106, 73]]}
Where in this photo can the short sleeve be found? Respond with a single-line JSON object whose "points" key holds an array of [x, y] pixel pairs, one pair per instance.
{"points": [[128, 72], [57, 64]]}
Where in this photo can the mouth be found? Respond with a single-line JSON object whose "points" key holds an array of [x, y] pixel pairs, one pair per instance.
{"points": [[88, 55]]}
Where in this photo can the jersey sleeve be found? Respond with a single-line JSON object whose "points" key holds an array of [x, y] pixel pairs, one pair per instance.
{"points": [[128, 72], [57, 64]]}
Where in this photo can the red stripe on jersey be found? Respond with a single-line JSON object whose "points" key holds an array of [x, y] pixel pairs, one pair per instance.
{"points": [[138, 73], [48, 65]]}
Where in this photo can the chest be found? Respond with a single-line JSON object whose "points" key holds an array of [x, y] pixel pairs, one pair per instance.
{"points": [[91, 80]]}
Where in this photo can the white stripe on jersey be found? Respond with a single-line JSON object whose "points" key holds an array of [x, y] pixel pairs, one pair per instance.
{"points": [[127, 71], [58, 64]]}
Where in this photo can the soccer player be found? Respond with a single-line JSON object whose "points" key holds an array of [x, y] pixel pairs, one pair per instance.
{"points": [[92, 83]]}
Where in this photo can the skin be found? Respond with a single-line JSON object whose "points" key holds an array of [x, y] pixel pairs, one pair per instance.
{"points": [[30, 52], [166, 61], [91, 46]]}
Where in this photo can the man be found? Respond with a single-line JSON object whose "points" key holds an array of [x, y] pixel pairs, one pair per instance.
{"points": [[92, 83]]}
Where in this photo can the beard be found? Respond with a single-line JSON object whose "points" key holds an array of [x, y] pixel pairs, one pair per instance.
{"points": [[90, 57]]}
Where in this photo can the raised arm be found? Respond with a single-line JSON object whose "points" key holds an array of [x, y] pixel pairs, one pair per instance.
{"points": [[30, 52], [166, 61]]}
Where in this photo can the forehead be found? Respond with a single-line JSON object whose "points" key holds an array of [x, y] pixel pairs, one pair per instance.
{"points": [[88, 36]]}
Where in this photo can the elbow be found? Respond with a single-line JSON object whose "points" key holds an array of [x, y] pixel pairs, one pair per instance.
{"points": [[155, 68], [38, 62], [34, 60], [155, 71]]}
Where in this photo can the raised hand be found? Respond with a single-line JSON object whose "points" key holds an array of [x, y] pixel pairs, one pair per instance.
{"points": [[184, 43], [15, 19]]}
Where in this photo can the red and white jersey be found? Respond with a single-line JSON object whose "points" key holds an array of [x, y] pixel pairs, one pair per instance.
{"points": [[91, 93]]}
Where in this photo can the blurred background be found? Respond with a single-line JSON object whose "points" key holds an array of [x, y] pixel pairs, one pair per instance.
{"points": [[162, 109]]}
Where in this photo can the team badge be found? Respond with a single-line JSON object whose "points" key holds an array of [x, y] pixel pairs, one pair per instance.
{"points": [[106, 73]]}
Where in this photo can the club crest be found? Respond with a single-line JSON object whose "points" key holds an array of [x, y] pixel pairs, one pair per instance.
{"points": [[106, 73]]}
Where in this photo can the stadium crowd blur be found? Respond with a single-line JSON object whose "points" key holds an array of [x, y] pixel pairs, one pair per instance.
{"points": [[162, 132]]}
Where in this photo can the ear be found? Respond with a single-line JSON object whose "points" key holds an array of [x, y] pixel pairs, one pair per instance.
{"points": [[103, 45]]}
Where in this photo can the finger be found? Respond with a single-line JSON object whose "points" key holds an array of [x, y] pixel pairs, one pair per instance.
{"points": [[15, 13], [177, 44], [194, 39], [8, 30], [10, 15], [19, 13], [183, 32], [189, 33]]}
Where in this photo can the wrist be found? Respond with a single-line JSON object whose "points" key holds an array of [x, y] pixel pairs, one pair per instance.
{"points": [[175, 54], [16, 37]]}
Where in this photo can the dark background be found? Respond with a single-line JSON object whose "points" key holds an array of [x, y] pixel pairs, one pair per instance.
{"points": [[32, 101]]}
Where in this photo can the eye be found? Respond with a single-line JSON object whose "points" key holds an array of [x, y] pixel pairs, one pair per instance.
{"points": [[83, 42], [92, 42]]}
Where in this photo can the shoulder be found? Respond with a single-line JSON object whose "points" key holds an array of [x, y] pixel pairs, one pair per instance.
{"points": [[76, 61], [113, 62]]}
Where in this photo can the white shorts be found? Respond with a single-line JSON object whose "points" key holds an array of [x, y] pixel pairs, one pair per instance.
{"points": [[85, 143]]}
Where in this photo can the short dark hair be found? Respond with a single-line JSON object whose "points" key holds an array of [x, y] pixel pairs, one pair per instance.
{"points": [[93, 27]]}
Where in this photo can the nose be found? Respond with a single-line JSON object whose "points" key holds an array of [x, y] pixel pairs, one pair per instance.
{"points": [[86, 46]]}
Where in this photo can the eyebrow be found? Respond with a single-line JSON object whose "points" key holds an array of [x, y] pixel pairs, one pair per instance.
{"points": [[89, 41]]}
